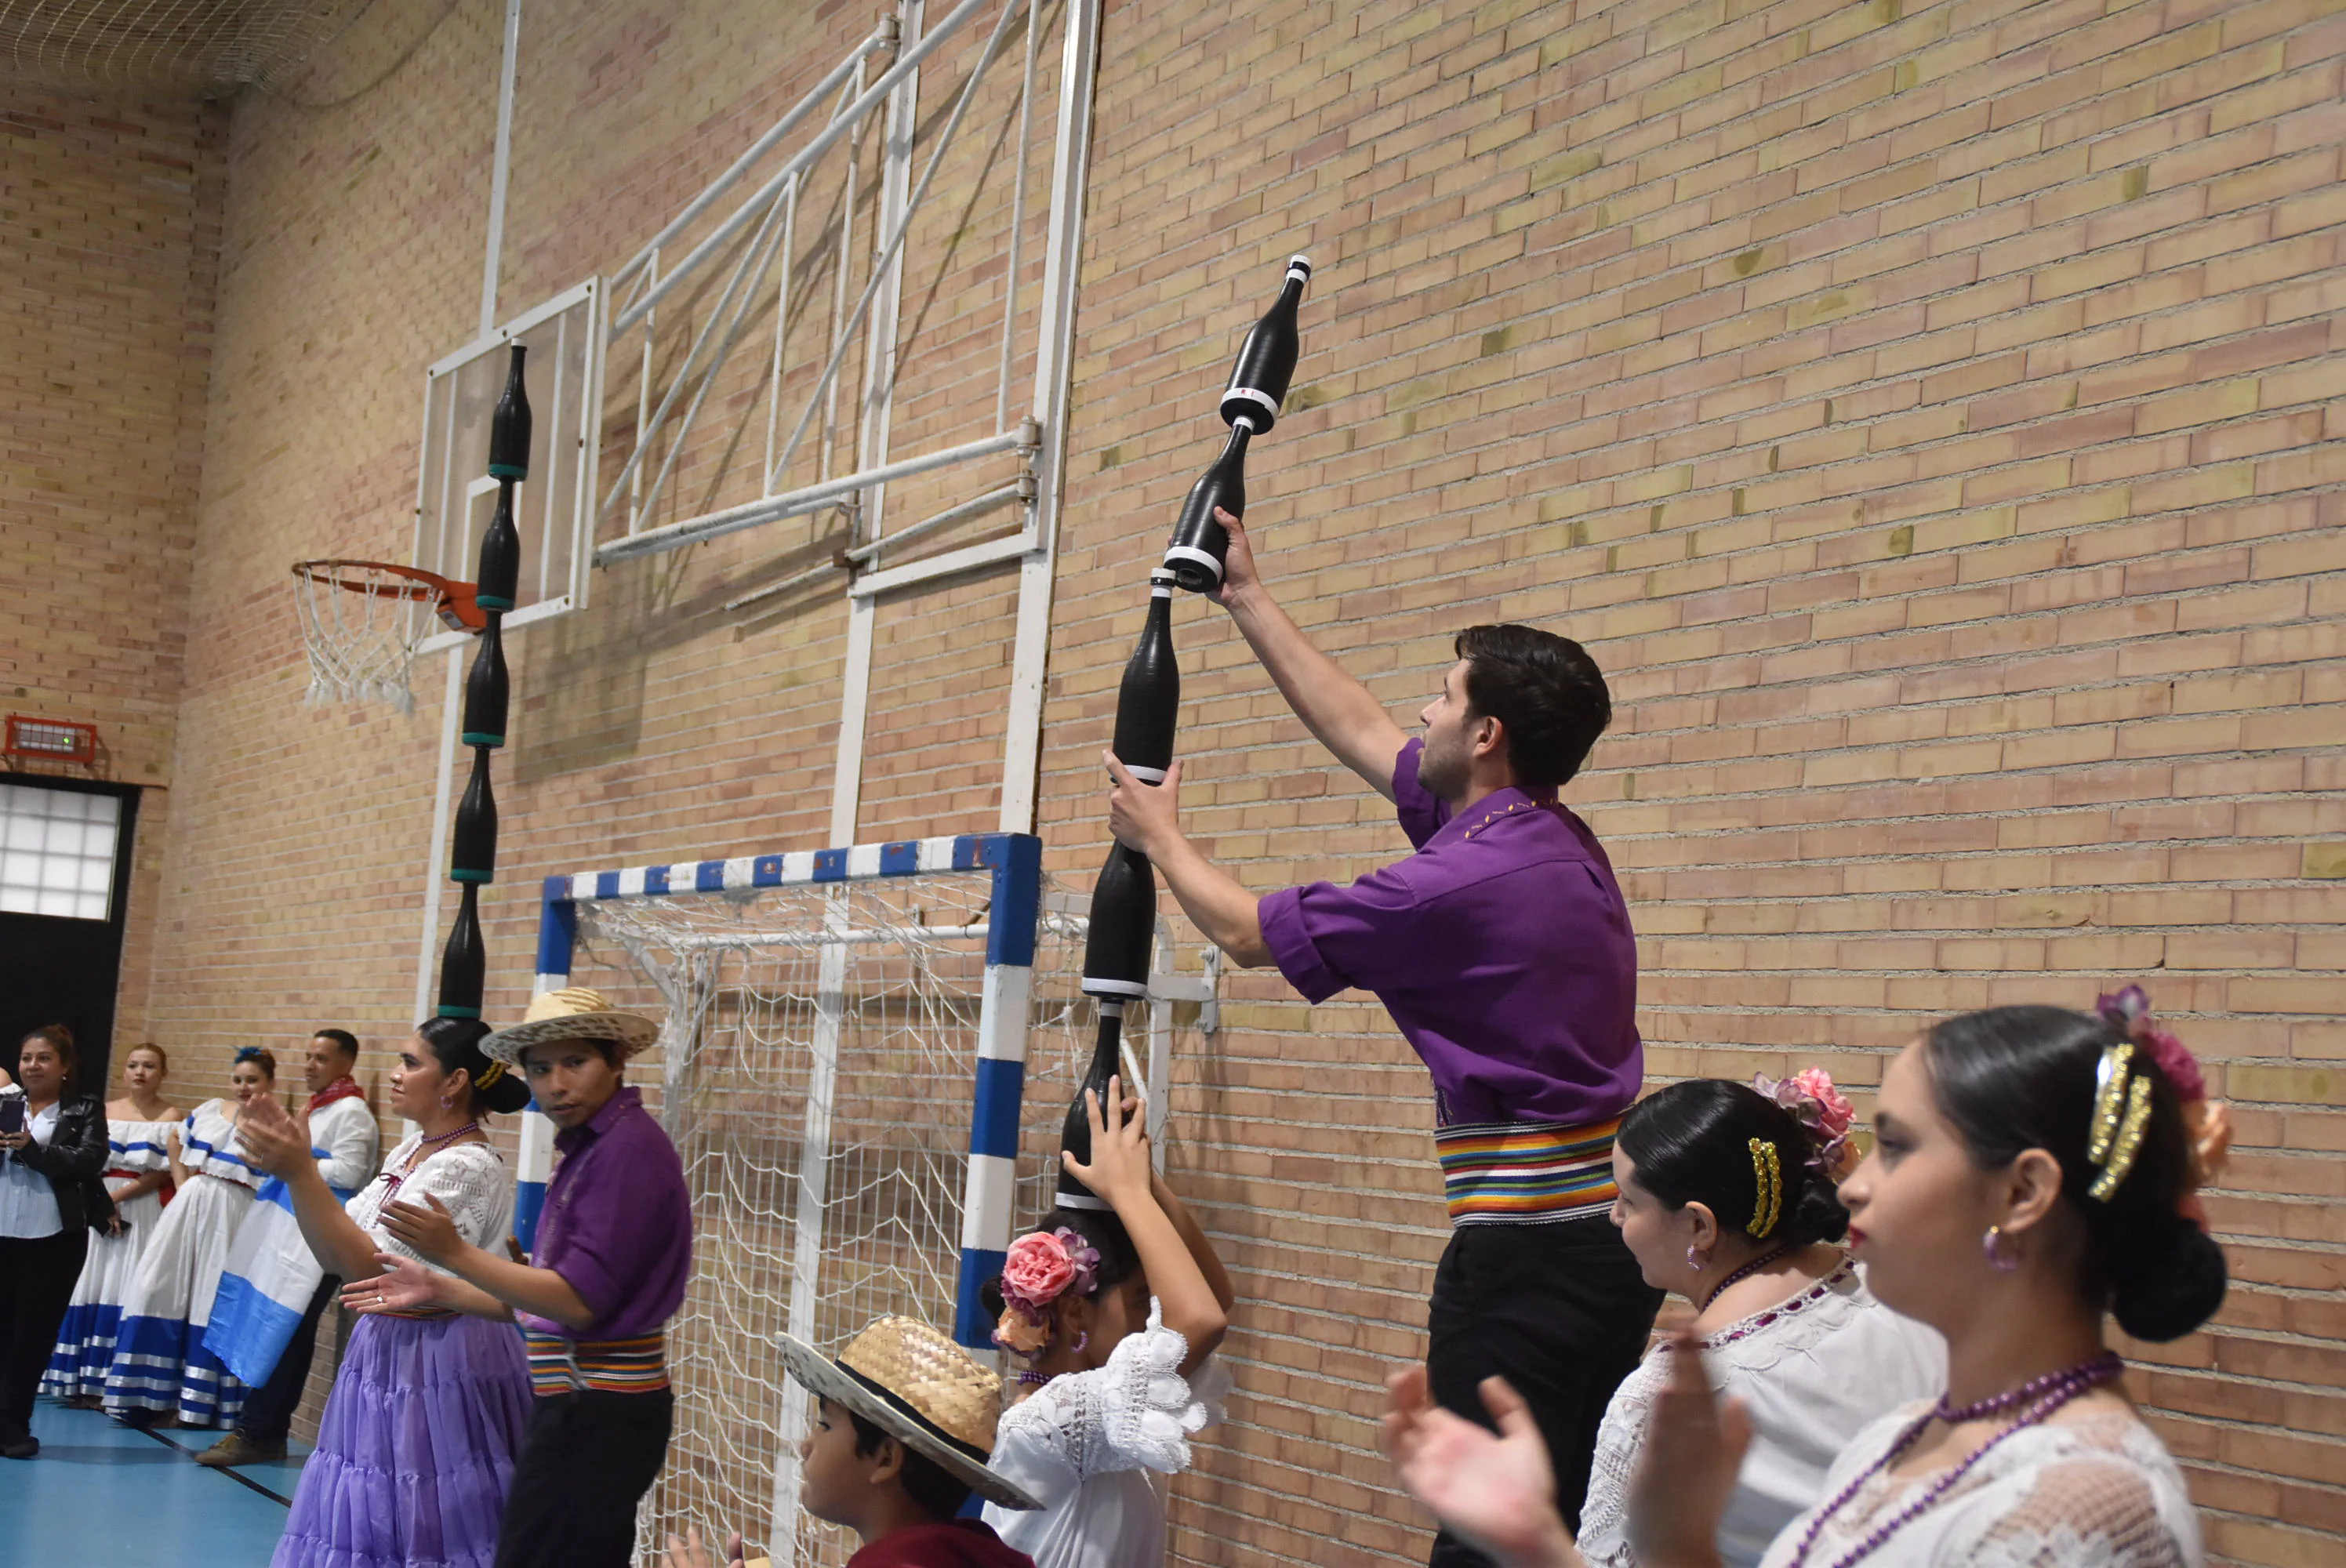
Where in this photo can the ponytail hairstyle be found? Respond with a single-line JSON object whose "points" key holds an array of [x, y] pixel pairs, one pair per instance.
{"points": [[1074, 1251], [258, 1058], [58, 1038], [1756, 1166], [2011, 1079], [456, 1042]]}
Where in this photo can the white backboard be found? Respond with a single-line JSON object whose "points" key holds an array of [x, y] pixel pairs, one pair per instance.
{"points": [[554, 507]]}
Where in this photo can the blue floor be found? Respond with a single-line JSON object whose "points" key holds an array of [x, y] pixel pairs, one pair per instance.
{"points": [[102, 1494]]}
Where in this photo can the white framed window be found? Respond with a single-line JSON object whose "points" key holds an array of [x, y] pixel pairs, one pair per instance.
{"points": [[56, 852]]}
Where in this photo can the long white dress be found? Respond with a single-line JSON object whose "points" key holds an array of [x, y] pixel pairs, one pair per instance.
{"points": [[159, 1361], [2097, 1492], [1813, 1370], [85, 1348], [1084, 1445]]}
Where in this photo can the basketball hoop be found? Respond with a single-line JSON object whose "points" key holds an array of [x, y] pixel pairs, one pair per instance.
{"points": [[363, 622]]}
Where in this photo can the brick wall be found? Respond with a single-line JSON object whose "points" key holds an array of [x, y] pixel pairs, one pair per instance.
{"points": [[1924, 412], [111, 213]]}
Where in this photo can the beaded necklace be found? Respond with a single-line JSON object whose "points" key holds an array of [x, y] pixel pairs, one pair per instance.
{"points": [[2050, 1392], [424, 1148], [1746, 1272]]}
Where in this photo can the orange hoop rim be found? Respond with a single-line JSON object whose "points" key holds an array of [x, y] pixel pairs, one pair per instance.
{"points": [[453, 600]]}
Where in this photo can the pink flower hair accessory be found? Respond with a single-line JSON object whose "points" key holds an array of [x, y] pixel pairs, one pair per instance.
{"points": [[1041, 1266], [1809, 1095]]}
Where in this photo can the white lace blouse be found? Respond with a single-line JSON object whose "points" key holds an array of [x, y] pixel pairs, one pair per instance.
{"points": [[2099, 1492], [1813, 1370], [1085, 1443], [468, 1179]]}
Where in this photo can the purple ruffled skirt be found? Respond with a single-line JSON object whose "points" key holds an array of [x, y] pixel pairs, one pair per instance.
{"points": [[416, 1448]]}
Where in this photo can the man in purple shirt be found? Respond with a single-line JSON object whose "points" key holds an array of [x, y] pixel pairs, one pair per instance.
{"points": [[613, 1255], [1502, 949]]}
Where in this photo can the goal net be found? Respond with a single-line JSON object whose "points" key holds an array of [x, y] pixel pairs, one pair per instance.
{"points": [[816, 1067]]}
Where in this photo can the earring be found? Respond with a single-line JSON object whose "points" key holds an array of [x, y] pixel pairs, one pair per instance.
{"points": [[1694, 1257], [2002, 1256], [447, 1103], [1083, 1339]]}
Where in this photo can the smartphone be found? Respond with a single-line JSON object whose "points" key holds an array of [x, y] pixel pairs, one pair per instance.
{"points": [[12, 1113]]}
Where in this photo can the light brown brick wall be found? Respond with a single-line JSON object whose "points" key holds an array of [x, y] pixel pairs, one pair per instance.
{"points": [[111, 219], [1924, 414]]}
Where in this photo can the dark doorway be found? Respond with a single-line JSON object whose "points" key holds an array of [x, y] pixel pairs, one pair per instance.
{"points": [[62, 911]]}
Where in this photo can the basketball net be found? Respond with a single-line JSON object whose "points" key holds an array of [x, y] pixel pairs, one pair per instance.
{"points": [[361, 622]]}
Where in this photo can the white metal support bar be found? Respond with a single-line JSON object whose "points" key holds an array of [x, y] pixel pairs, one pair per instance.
{"points": [[1061, 267]]}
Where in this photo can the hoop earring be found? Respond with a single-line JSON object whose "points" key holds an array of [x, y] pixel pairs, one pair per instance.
{"points": [[2003, 1254], [1694, 1257], [1082, 1340], [446, 1103]]}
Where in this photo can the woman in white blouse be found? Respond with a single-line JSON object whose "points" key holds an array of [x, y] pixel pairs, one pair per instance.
{"points": [[1727, 1200], [416, 1447]]}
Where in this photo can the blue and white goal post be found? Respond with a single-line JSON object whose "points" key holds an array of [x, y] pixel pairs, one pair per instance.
{"points": [[1015, 861]]}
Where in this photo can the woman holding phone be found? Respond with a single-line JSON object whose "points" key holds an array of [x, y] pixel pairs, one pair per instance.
{"points": [[52, 1148]]}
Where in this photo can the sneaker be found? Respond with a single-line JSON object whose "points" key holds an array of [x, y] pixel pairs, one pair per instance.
{"points": [[238, 1449], [24, 1445]]}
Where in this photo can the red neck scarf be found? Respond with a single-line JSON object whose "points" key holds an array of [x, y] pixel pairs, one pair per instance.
{"points": [[343, 1088]]}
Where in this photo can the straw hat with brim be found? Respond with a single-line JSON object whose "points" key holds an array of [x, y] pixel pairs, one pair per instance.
{"points": [[921, 1388], [573, 1012]]}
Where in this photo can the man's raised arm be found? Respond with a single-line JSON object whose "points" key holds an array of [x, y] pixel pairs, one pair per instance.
{"points": [[1339, 710]]}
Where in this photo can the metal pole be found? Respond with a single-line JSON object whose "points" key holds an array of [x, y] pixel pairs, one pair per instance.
{"points": [[1023, 744]]}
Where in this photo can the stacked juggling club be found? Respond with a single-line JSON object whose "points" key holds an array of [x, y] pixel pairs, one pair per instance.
{"points": [[462, 962], [1148, 703]]}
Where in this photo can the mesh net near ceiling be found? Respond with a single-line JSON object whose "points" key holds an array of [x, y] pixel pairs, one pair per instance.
{"points": [[163, 49]]}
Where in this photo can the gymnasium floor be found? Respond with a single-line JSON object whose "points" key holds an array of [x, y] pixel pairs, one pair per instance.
{"points": [[103, 1493]]}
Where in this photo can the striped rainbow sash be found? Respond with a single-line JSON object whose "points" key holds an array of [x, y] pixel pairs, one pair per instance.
{"points": [[1523, 1173], [560, 1366]]}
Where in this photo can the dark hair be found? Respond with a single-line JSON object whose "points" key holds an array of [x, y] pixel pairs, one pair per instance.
{"points": [[60, 1039], [2011, 1079], [343, 1039], [258, 1058], [934, 1489], [1691, 1142], [1119, 1260], [160, 1055], [1544, 691], [456, 1042]]}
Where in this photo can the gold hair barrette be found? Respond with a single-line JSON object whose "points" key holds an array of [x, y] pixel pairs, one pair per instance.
{"points": [[1768, 1172], [2128, 1143]]}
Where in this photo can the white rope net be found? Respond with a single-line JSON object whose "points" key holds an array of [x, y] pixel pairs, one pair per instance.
{"points": [[816, 1062], [360, 626], [178, 48]]}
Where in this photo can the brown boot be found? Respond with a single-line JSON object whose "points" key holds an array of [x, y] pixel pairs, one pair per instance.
{"points": [[238, 1449]]}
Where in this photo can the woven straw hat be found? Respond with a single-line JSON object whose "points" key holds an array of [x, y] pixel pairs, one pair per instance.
{"points": [[921, 1388], [573, 1012]]}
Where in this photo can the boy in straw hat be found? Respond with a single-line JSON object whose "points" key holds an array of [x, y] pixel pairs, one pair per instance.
{"points": [[613, 1255], [903, 1428]]}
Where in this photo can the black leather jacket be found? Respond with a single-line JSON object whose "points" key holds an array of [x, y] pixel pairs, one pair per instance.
{"points": [[72, 1159]]}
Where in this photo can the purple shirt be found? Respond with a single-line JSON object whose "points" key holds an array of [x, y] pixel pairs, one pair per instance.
{"points": [[617, 1223], [1502, 949]]}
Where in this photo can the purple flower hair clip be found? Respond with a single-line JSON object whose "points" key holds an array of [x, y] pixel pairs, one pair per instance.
{"points": [[2129, 1013]]}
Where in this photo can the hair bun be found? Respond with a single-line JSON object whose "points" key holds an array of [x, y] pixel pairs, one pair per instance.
{"points": [[507, 1094], [2163, 1286]]}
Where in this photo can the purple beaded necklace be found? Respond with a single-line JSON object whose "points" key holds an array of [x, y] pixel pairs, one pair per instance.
{"points": [[1745, 1272], [2045, 1395]]}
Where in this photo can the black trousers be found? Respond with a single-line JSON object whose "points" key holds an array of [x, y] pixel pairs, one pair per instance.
{"points": [[1560, 1311], [37, 1280], [586, 1462], [268, 1409]]}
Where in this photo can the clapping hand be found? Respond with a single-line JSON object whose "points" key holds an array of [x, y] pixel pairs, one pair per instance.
{"points": [[402, 1287], [1495, 1488], [429, 1232], [1694, 1447], [692, 1553], [1120, 1171], [270, 1140]]}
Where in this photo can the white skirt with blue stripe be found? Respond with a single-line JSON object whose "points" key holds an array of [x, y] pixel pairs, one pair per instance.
{"points": [[159, 1361]]}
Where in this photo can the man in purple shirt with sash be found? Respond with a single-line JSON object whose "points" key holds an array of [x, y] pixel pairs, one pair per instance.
{"points": [[1502, 949], [613, 1255]]}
